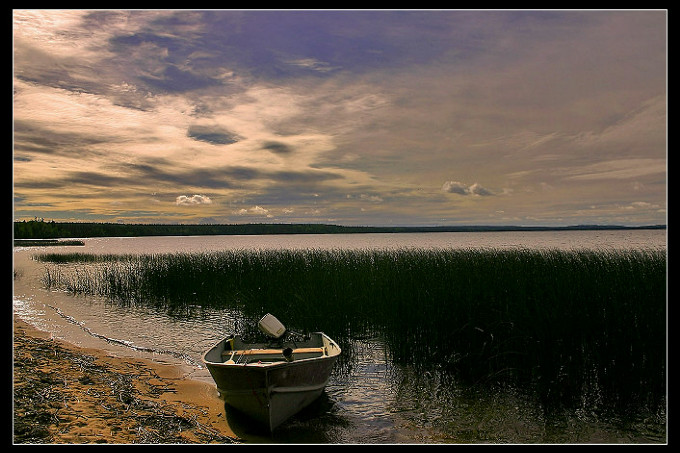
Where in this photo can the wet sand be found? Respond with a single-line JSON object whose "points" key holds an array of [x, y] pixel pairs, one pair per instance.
{"points": [[64, 394]]}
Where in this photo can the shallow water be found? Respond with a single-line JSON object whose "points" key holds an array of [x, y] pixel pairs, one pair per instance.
{"points": [[371, 401]]}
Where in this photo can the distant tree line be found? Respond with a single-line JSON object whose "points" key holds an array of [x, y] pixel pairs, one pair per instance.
{"points": [[41, 229]]}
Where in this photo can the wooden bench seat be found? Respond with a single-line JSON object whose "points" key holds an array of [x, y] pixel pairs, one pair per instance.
{"points": [[268, 354]]}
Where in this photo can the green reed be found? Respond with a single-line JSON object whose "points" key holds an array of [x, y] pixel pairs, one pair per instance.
{"points": [[577, 328]]}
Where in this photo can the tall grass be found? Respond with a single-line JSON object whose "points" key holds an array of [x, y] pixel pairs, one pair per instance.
{"points": [[577, 328]]}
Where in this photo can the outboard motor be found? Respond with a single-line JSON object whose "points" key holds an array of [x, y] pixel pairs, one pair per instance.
{"points": [[271, 326]]}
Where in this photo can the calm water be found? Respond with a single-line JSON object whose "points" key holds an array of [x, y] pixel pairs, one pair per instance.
{"points": [[373, 401]]}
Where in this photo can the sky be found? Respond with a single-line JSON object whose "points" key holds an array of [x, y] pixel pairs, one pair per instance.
{"points": [[348, 117]]}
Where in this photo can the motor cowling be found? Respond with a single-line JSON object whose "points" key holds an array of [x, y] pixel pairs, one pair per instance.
{"points": [[271, 326]]}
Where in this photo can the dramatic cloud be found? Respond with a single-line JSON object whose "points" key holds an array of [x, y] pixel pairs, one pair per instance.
{"points": [[351, 117]]}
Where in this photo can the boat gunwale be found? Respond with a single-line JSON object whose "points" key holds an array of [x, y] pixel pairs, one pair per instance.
{"points": [[269, 365]]}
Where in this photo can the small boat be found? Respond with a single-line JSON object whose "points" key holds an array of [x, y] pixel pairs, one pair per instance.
{"points": [[274, 380]]}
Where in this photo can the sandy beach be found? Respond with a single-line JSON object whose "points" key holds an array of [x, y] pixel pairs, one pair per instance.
{"points": [[64, 394]]}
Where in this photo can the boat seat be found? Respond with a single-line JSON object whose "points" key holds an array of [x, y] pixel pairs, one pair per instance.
{"points": [[269, 355]]}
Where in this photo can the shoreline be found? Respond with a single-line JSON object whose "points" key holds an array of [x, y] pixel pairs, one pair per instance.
{"points": [[66, 394]]}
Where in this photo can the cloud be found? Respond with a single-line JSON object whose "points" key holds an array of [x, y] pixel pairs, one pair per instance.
{"points": [[313, 64], [277, 148], [642, 205], [372, 198], [619, 169], [477, 189], [254, 211], [177, 80], [184, 200], [216, 136], [455, 187], [462, 189]]}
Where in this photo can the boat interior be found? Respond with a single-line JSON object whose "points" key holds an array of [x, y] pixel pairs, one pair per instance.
{"points": [[270, 355], [233, 350]]}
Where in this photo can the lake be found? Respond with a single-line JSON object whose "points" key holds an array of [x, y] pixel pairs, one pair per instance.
{"points": [[371, 399]]}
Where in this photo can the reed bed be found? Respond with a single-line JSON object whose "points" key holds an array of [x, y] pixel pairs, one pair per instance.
{"points": [[579, 329]]}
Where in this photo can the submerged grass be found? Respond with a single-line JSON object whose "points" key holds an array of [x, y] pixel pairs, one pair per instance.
{"points": [[577, 328]]}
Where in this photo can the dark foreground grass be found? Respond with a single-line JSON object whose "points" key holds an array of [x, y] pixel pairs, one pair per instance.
{"points": [[580, 329]]}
